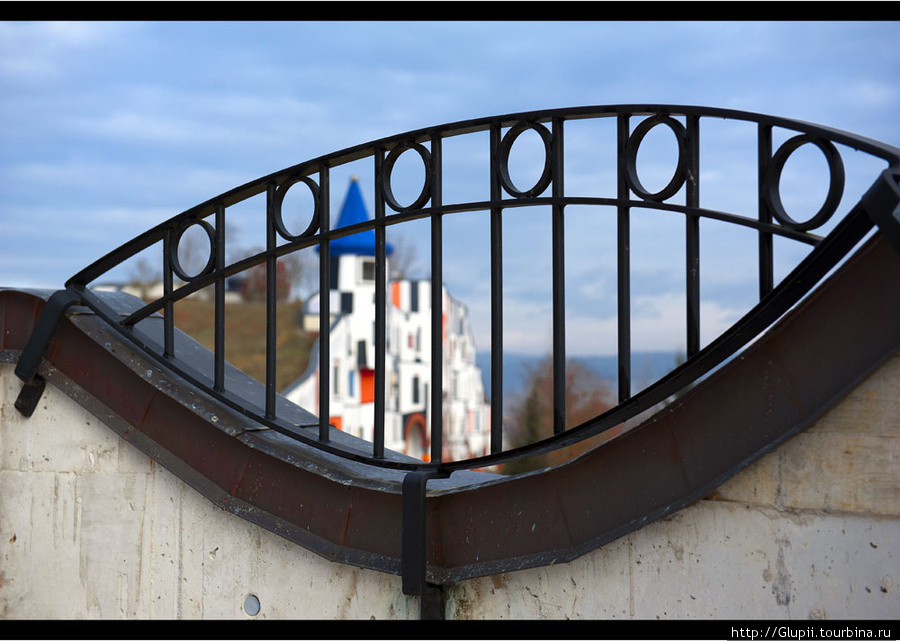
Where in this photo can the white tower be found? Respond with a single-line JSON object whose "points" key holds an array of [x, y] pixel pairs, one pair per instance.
{"points": [[465, 414]]}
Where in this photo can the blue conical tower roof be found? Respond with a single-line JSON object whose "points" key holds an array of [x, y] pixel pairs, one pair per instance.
{"points": [[354, 211]]}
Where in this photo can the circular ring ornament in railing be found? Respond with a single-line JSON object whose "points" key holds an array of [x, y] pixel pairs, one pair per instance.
{"points": [[835, 188], [631, 152], [506, 145], [277, 213], [388, 169], [175, 263]]}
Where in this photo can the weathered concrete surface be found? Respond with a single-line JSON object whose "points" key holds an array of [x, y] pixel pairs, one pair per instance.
{"points": [[92, 528], [848, 462], [711, 560], [810, 531]]}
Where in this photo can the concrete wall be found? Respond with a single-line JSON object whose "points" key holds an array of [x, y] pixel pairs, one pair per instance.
{"points": [[810, 531], [92, 528]]}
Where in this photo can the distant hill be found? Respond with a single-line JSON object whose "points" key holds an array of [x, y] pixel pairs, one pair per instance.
{"points": [[245, 336], [646, 368]]}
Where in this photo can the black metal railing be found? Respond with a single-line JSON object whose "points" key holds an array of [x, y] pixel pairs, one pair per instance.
{"points": [[773, 220]]}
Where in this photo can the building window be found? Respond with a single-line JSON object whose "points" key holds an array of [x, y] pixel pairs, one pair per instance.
{"points": [[367, 270], [414, 296], [362, 355], [415, 389]]}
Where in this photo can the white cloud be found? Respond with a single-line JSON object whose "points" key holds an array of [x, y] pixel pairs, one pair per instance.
{"points": [[164, 116], [92, 184], [41, 51], [657, 324], [872, 92]]}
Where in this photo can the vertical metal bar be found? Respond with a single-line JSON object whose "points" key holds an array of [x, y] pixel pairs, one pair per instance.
{"points": [[692, 236], [559, 281], [168, 306], [219, 320], [496, 296], [437, 305], [380, 309], [623, 273], [271, 303], [766, 252], [324, 305]]}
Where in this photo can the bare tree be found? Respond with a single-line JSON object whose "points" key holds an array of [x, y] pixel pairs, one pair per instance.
{"points": [[143, 276], [587, 395], [303, 272], [256, 283], [403, 261]]}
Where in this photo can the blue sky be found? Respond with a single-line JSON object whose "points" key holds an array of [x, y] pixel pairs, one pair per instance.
{"points": [[108, 128]]}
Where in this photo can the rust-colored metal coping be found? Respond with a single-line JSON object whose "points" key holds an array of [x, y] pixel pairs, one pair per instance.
{"points": [[480, 524]]}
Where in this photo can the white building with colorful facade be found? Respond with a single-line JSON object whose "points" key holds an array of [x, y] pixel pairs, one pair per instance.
{"points": [[466, 412]]}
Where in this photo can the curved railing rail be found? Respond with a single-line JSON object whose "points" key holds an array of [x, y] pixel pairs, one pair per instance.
{"points": [[773, 220]]}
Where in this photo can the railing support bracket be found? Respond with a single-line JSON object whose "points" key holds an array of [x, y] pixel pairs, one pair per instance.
{"points": [[882, 203], [413, 544], [26, 369]]}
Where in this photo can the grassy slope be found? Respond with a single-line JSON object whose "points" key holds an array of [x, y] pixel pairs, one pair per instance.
{"points": [[245, 336]]}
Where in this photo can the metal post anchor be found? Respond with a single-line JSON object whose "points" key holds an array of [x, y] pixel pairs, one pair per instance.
{"points": [[26, 368], [882, 204], [413, 544]]}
